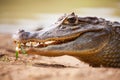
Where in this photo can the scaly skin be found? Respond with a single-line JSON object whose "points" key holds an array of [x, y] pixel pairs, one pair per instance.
{"points": [[93, 40]]}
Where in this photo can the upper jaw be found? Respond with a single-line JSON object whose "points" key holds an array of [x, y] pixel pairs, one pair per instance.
{"points": [[30, 39], [37, 39], [52, 34]]}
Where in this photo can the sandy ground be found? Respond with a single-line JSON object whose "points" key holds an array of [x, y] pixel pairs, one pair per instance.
{"points": [[34, 67]]}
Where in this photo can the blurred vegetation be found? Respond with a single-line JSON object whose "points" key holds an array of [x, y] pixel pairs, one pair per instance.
{"points": [[27, 8]]}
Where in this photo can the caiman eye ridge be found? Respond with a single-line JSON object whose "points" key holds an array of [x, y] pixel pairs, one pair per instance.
{"points": [[71, 20]]}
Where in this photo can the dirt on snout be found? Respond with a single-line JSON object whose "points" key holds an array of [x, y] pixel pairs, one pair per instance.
{"points": [[35, 67]]}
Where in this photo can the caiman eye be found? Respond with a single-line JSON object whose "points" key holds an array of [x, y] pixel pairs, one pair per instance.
{"points": [[71, 20]]}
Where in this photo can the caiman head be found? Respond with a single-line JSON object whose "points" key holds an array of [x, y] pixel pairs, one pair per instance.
{"points": [[69, 35]]}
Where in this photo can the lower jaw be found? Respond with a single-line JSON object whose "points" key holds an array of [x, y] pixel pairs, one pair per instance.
{"points": [[53, 53]]}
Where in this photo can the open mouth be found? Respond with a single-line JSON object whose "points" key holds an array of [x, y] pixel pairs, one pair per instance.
{"points": [[41, 43], [37, 43]]}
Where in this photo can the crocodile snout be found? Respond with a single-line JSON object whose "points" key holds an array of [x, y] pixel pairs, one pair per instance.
{"points": [[20, 35]]}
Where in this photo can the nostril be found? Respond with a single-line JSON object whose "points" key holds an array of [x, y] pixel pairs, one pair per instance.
{"points": [[20, 35], [24, 35]]}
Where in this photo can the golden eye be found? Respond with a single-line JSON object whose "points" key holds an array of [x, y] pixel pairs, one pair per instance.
{"points": [[71, 20]]}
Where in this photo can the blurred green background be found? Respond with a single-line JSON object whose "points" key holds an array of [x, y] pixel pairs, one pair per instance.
{"points": [[27, 8], [13, 10]]}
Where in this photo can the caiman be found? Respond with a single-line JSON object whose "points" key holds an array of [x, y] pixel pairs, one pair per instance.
{"points": [[93, 40]]}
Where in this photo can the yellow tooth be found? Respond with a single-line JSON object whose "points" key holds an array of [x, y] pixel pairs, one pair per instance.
{"points": [[49, 42], [42, 43], [31, 44], [35, 43]]}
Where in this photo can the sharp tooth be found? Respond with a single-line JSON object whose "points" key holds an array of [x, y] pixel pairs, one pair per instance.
{"points": [[36, 44], [32, 44], [42, 43], [28, 44], [22, 44], [49, 42]]}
